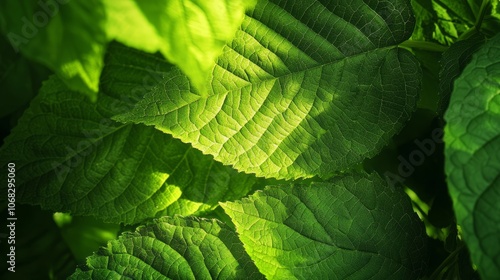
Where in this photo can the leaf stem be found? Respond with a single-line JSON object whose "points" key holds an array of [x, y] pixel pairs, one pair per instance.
{"points": [[424, 45], [482, 13], [449, 260], [479, 21]]}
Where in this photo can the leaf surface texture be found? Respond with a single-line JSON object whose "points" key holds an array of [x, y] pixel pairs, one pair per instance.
{"points": [[353, 227], [173, 248], [306, 88]]}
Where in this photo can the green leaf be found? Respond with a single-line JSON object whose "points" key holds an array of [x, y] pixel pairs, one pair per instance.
{"points": [[71, 157], [189, 33], [173, 248], [353, 227], [306, 88], [66, 36], [472, 137], [452, 63]]}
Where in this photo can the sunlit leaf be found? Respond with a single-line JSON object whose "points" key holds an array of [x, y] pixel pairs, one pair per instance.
{"points": [[306, 88]]}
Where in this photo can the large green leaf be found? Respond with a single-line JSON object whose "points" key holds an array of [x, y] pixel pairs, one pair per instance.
{"points": [[71, 157], [472, 137], [173, 248], [354, 227], [306, 88]]}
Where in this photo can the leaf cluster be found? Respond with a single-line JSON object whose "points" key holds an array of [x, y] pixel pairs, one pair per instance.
{"points": [[268, 139]]}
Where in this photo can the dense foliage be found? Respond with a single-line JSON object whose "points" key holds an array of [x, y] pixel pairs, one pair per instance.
{"points": [[272, 139]]}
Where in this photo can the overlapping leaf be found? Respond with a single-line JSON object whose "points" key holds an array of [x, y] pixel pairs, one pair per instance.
{"points": [[189, 33], [306, 88], [70, 37], [71, 157], [84, 235], [472, 137], [354, 227], [173, 248]]}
